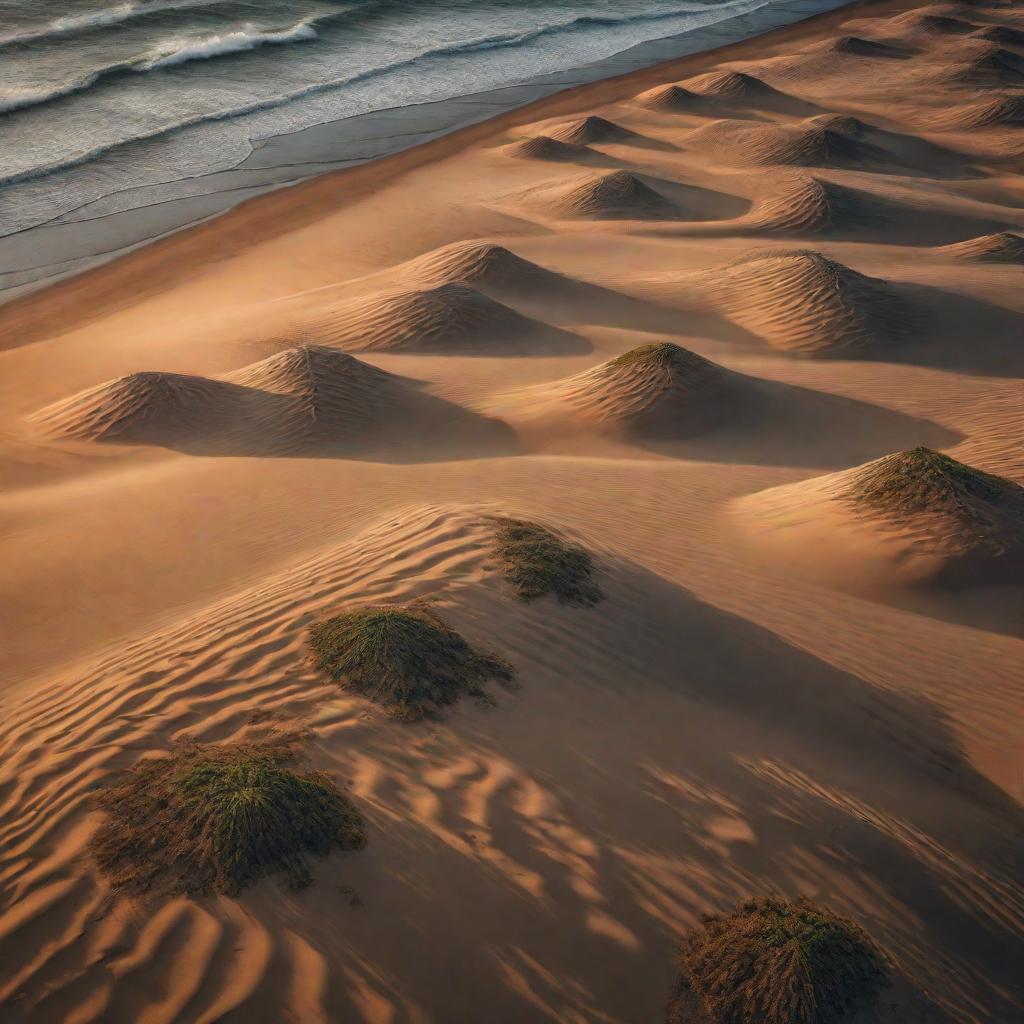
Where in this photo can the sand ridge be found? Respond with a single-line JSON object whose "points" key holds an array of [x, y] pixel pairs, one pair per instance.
{"points": [[700, 320]]}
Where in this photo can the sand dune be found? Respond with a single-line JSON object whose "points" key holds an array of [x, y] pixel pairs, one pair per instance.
{"points": [[668, 98], [982, 113], [727, 84], [916, 518], [1005, 35], [486, 266], [803, 302], [804, 675], [804, 205], [590, 129], [655, 391], [810, 144], [618, 195], [983, 64], [858, 46], [665, 398], [157, 408], [296, 402], [1003, 247], [930, 21], [797, 204], [543, 147], [446, 318]]}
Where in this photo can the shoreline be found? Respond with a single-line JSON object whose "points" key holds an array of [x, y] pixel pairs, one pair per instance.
{"points": [[342, 147]]}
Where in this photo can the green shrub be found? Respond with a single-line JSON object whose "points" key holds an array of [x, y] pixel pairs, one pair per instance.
{"points": [[214, 819], [776, 962], [405, 657], [535, 562]]}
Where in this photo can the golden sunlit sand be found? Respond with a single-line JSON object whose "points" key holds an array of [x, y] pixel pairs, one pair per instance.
{"points": [[692, 401]]}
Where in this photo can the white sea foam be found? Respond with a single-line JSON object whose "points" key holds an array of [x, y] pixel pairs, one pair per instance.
{"points": [[70, 24], [246, 38]]}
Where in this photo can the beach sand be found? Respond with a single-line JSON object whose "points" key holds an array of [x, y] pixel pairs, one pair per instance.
{"points": [[322, 398]]}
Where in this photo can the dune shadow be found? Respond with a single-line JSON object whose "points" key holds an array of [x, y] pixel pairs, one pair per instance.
{"points": [[771, 423], [367, 415], [961, 332], [992, 608], [707, 760]]}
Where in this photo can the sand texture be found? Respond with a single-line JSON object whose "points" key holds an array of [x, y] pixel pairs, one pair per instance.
{"points": [[745, 329]]}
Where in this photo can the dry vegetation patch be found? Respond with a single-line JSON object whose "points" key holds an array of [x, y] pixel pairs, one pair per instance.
{"points": [[405, 657], [925, 481], [214, 819], [776, 962], [535, 562]]}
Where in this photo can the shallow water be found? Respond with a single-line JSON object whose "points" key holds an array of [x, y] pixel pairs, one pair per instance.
{"points": [[98, 99]]}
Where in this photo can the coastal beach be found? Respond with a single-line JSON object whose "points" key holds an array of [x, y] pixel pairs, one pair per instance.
{"points": [[737, 313]]}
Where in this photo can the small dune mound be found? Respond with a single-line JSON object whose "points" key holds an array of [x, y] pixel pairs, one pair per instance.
{"points": [[404, 657], [990, 64], [667, 98], [215, 819], [971, 520], [536, 562], [807, 205], [842, 124], [543, 147], [803, 145], [447, 318], [1002, 110], [1002, 247], [333, 396], [1004, 35], [486, 266], [803, 302], [856, 45], [776, 962], [927, 22], [587, 130], [618, 195], [656, 392], [148, 408], [727, 85]]}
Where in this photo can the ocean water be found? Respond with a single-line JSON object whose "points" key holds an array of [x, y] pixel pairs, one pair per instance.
{"points": [[99, 98]]}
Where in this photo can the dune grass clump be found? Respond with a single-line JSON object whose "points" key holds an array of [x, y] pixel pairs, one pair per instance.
{"points": [[215, 819], [405, 657], [663, 354], [922, 480], [536, 562], [777, 962]]}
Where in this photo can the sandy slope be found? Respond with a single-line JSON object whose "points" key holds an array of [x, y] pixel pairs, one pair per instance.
{"points": [[808, 248]]}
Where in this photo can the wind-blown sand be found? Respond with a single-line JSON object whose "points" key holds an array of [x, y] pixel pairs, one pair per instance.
{"points": [[683, 318]]}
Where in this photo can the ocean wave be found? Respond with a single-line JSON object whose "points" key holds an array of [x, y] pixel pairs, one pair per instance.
{"points": [[19, 97], [246, 38], [72, 24], [282, 99], [168, 54]]}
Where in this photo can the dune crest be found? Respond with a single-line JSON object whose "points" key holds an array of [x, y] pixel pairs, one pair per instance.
{"points": [[667, 98], [803, 204], [484, 265], [982, 113], [586, 130], [1001, 247], [148, 407], [804, 145], [919, 517], [727, 85], [544, 147], [618, 195], [447, 318], [654, 392], [803, 302]]}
